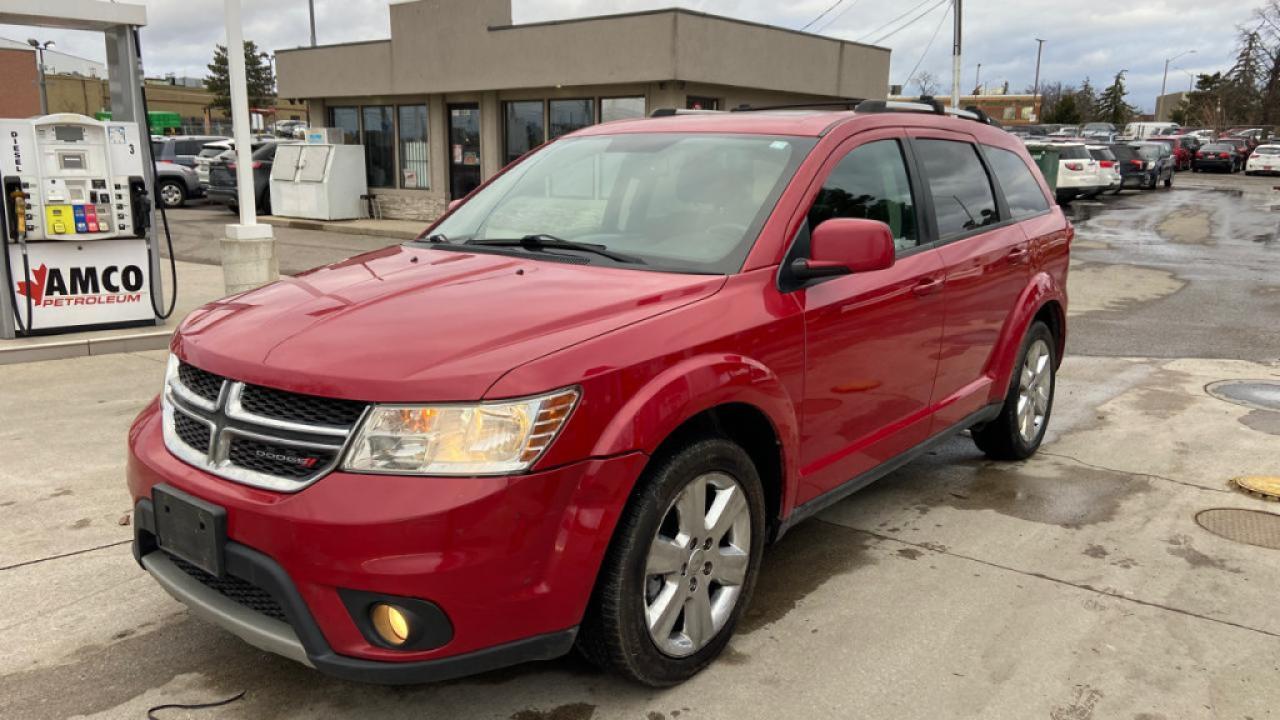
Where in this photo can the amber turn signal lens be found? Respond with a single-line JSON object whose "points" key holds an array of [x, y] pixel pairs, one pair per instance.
{"points": [[391, 623]]}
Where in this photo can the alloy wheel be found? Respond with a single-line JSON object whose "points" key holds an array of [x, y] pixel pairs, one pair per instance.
{"points": [[1034, 386], [171, 195], [697, 564]]}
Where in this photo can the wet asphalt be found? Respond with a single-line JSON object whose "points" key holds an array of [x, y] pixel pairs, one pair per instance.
{"points": [[1075, 586]]}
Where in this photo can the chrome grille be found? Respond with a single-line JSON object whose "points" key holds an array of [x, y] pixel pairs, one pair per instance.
{"points": [[258, 436]]}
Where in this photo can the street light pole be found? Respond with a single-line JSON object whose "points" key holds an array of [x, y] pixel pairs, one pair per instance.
{"points": [[1035, 89], [1165, 81], [44, 91], [977, 79]]}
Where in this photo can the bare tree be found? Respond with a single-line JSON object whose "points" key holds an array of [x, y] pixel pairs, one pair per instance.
{"points": [[927, 83]]}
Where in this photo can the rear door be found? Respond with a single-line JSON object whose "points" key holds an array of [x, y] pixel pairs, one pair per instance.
{"points": [[871, 339], [987, 265]]}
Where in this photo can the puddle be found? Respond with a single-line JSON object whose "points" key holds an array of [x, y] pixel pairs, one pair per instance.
{"points": [[809, 554], [1066, 495], [1256, 394]]}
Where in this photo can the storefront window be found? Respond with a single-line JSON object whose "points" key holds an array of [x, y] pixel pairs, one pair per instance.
{"points": [[379, 146], [569, 115], [346, 119], [696, 102], [413, 147], [621, 108], [525, 128]]}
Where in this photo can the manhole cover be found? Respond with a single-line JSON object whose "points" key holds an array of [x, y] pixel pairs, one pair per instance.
{"points": [[1252, 527], [1259, 394]]}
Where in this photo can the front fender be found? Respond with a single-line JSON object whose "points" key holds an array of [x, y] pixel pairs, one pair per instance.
{"points": [[695, 385], [1040, 291]]}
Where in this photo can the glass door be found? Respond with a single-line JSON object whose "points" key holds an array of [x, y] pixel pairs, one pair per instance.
{"points": [[464, 149]]}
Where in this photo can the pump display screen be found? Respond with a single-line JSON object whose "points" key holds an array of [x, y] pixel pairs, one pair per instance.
{"points": [[71, 161], [68, 133]]}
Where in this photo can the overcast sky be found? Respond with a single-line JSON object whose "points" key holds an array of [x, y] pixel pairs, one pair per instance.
{"points": [[1094, 38]]}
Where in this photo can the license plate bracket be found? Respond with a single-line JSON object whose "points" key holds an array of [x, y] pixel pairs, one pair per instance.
{"points": [[190, 528]]}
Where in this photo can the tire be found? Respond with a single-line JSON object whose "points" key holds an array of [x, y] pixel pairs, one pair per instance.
{"points": [[615, 633], [1003, 438], [173, 194]]}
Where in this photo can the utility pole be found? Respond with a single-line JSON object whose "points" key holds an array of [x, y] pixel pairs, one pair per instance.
{"points": [[1035, 89], [311, 10], [977, 80], [44, 91], [1165, 80], [955, 56]]}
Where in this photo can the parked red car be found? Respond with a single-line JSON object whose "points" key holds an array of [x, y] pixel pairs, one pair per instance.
{"points": [[579, 406], [1184, 148]]}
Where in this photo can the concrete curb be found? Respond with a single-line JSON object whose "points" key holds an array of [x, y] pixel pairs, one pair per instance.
{"points": [[350, 227], [61, 349]]}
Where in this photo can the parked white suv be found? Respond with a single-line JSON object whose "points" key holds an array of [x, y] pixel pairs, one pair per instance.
{"points": [[1265, 159], [1079, 175], [1107, 167]]}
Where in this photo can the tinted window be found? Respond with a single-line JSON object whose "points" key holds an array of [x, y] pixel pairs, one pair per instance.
{"points": [[379, 146], [525, 128], [1021, 190], [569, 115], [188, 147], [346, 119], [1073, 152], [210, 151], [157, 149], [870, 182], [1123, 152], [959, 186], [1096, 153]]}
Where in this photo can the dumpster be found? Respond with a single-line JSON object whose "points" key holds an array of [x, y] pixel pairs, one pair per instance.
{"points": [[1046, 157]]}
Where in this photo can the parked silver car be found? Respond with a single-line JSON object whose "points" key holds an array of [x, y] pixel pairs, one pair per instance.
{"points": [[175, 184]]}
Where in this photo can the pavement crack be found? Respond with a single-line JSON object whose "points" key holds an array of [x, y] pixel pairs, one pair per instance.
{"points": [[1119, 471], [59, 556], [942, 550]]}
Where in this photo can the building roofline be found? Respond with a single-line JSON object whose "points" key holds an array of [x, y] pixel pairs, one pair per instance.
{"points": [[333, 45], [683, 11]]}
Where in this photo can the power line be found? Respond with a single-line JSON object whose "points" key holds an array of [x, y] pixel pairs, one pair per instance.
{"points": [[882, 27], [837, 16], [910, 22], [821, 14], [933, 37]]}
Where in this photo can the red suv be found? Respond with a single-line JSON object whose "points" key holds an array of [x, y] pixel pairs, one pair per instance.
{"points": [[577, 408]]}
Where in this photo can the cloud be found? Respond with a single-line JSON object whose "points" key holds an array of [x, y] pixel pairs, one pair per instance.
{"points": [[1085, 38]]}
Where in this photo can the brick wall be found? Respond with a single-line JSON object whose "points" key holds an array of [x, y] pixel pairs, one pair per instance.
{"points": [[19, 84]]}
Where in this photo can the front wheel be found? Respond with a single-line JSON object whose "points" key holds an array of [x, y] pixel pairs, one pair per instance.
{"points": [[1018, 430], [172, 194], [681, 567]]}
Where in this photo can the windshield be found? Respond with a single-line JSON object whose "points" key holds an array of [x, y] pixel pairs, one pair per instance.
{"points": [[685, 202]]}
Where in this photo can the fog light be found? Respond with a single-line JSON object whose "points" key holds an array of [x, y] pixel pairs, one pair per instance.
{"points": [[391, 622]]}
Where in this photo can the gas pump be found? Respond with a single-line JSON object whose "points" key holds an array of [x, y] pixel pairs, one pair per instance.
{"points": [[77, 211], [76, 229]]}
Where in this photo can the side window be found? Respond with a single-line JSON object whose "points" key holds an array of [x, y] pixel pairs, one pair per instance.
{"points": [[961, 191], [870, 182], [1021, 190]]}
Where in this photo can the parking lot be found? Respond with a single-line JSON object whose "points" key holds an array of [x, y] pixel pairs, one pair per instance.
{"points": [[1074, 586]]}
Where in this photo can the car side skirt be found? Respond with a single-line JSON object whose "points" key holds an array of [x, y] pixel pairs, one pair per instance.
{"points": [[840, 492]]}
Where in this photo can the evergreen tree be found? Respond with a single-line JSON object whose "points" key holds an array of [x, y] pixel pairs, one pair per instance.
{"points": [[1087, 101], [1242, 93], [1065, 111], [1205, 105], [1112, 107], [258, 78]]}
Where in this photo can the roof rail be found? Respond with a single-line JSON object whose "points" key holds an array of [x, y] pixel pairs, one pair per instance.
{"points": [[925, 104], [670, 111], [848, 104]]}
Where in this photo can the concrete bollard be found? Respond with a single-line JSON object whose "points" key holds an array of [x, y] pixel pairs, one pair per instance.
{"points": [[248, 258]]}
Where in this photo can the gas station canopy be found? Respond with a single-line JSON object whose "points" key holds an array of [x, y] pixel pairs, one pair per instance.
{"points": [[73, 14]]}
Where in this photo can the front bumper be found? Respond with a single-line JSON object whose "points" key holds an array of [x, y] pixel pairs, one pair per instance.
{"points": [[510, 561]]}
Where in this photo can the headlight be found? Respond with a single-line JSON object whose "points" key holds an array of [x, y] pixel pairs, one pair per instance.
{"points": [[477, 439]]}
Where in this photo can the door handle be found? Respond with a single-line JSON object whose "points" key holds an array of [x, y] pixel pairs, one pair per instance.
{"points": [[927, 286], [1018, 255]]}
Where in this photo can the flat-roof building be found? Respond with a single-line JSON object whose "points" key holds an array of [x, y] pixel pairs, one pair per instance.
{"points": [[458, 91]]}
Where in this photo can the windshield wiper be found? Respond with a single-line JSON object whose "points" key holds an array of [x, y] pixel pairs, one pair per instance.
{"points": [[542, 241]]}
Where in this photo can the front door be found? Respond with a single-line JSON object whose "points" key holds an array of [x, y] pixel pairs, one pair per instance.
{"points": [[871, 339], [464, 149]]}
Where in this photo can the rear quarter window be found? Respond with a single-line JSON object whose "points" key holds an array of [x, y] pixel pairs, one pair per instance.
{"points": [[1022, 191]]}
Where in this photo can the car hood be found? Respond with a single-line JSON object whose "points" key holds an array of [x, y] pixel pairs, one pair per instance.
{"points": [[411, 324]]}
